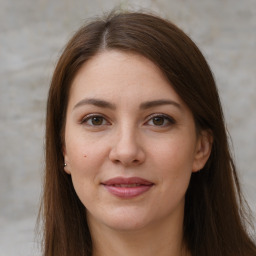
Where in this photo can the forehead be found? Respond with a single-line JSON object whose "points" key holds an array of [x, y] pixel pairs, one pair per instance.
{"points": [[122, 76]]}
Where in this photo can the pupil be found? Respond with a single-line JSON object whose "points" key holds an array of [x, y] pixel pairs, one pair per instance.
{"points": [[97, 120], [158, 120]]}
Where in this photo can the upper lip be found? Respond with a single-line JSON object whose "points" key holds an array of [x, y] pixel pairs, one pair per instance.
{"points": [[131, 180]]}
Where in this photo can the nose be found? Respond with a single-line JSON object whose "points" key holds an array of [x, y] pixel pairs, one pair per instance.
{"points": [[126, 149]]}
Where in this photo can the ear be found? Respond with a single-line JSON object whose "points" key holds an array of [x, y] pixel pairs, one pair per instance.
{"points": [[66, 162], [203, 150]]}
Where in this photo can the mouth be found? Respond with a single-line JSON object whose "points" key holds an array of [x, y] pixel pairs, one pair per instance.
{"points": [[127, 187]]}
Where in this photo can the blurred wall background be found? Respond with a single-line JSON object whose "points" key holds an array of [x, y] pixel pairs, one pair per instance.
{"points": [[32, 34]]}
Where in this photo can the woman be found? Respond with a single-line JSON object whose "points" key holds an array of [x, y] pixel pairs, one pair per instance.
{"points": [[137, 157]]}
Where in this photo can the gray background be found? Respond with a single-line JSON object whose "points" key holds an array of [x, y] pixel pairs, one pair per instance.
{"points": [[32, 34]]}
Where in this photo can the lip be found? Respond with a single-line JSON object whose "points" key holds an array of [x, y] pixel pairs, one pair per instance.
{"points": [[127, 187]]}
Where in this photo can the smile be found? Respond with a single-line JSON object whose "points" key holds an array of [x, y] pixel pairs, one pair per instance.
{"points": [[127, 187]]}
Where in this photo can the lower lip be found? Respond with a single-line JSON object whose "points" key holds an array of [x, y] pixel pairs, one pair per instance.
{"points": [[127, 192]]}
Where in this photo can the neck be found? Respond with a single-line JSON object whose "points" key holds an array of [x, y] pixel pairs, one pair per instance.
{"points": [[158, 240]]}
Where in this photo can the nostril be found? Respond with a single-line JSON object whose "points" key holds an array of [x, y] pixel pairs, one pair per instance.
{"points": [[135, 162], [126, 154]]}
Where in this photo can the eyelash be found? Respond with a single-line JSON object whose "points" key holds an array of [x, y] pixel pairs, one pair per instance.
{"points": [[91, 116], [166, 118]]}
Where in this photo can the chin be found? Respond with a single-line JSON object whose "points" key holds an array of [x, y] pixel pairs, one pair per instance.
{"points": [[121, 220], [126, 225]]}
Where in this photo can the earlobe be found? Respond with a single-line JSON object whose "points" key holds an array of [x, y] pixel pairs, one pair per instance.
{"points": [[66, 167], [203, 150]]}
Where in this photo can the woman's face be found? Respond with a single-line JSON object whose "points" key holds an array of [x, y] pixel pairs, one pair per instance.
{"points": [[130, 143]]}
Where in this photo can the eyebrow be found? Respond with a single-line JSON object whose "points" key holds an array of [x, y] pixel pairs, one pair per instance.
{"points": [[145, 105], [96, 102], [155, 103]]}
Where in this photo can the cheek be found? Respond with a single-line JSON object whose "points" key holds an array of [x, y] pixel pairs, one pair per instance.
{"points": [[76, 155], [173, 168], [84, 162], [174, 161], [85, 157], [176, 155]]}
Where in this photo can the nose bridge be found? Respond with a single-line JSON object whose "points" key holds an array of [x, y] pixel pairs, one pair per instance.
{"points": [[127, 138], [127, 148]]}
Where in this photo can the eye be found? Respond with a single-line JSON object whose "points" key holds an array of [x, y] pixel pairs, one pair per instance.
{"points": [[160, 120], [94, 120]]}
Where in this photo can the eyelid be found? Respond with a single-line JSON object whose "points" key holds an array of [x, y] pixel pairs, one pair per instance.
{"points": [[89, 116], [170, 119]]}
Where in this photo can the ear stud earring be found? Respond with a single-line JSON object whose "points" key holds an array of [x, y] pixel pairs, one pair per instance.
{"points": [[65, 164]]}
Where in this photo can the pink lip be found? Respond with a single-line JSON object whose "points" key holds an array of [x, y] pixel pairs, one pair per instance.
{"points": [[127, 187]]}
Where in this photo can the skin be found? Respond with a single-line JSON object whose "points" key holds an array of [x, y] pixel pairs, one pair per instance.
{"points": [[131, 138]]}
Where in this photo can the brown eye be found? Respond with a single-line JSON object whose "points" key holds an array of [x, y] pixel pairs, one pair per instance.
{"points": [[97, 120], [158, 120], [161, 120], [94, 120]]}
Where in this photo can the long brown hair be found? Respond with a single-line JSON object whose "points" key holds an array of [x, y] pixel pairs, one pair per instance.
{"points": [[215, 220]]}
